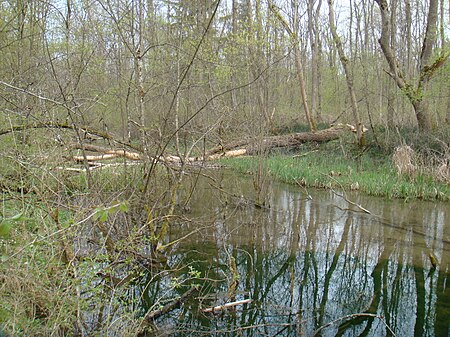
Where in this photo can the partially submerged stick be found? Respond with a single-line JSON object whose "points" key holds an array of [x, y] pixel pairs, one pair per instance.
{"points": [[352, 316], [226, 305], [152, 315]]}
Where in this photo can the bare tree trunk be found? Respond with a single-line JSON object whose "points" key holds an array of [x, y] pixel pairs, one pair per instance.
{"points": [[318, 63], [430, 34], [234, 30], [408, 36], [139, 73], [442, 25], [348, 76], [313, 37], [390, 89], [298, 65]]}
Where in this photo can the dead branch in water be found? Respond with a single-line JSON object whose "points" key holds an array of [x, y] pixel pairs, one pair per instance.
{"points": [[150, 316], [316, 333]]}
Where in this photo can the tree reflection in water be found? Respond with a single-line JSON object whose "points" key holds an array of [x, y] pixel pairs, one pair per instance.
{"points": [[306, 262]]}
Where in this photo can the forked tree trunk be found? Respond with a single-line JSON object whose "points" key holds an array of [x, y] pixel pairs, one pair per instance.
{"points": [[415, 93]]}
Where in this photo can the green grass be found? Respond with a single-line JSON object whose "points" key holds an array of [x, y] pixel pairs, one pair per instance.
{"points": [[371, 174]]}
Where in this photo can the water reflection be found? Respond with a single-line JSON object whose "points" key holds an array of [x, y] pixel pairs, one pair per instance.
{"points": [[309, 260]]}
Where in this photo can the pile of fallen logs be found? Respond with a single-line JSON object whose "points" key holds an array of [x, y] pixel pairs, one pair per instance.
{"points": [[95, 156], [249, 146]]}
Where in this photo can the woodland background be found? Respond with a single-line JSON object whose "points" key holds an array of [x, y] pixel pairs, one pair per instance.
{"points": [[155, 71]]}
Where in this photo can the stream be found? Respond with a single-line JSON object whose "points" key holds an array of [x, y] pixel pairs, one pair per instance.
{"points": [[310, 262]]}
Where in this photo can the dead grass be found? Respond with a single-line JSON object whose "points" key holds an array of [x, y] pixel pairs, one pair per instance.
{"points": [[403, 160]]}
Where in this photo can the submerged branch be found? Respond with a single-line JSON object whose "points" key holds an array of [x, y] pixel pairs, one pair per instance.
{"points": [[150, 316], [316, 333]]}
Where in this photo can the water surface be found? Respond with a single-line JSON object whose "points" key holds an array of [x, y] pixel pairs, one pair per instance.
{"points": [[311, 262]]}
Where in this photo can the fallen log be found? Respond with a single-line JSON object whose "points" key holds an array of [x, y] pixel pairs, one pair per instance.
{"points": [[106, 153], [252, 146], [235, 148]]}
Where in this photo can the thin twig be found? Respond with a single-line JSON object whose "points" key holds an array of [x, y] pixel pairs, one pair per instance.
{"points": [[365, 210], [344, 196]]}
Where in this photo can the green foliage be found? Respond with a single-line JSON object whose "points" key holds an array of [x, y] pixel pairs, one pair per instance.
{"points": [[102, 213]]}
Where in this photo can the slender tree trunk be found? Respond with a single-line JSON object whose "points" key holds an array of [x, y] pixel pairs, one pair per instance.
{"points": [[234, 30], [318, 61], [139, 73], [314, 65], [390, 88], [390, 94], [348, 75], [408, 36], [301, 80], [258, 54], [442, 24], [298, 65]]}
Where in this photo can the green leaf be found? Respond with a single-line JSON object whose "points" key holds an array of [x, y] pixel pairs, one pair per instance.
{"points": [[6, 224], [101, 214], [5, 228], [17, 217], [123, 207]]}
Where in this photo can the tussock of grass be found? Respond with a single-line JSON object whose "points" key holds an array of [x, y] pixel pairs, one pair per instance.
{"points": [[371, 175]]}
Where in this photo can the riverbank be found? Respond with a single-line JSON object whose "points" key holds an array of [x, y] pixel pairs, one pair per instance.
{"points": [[370, 173]]}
